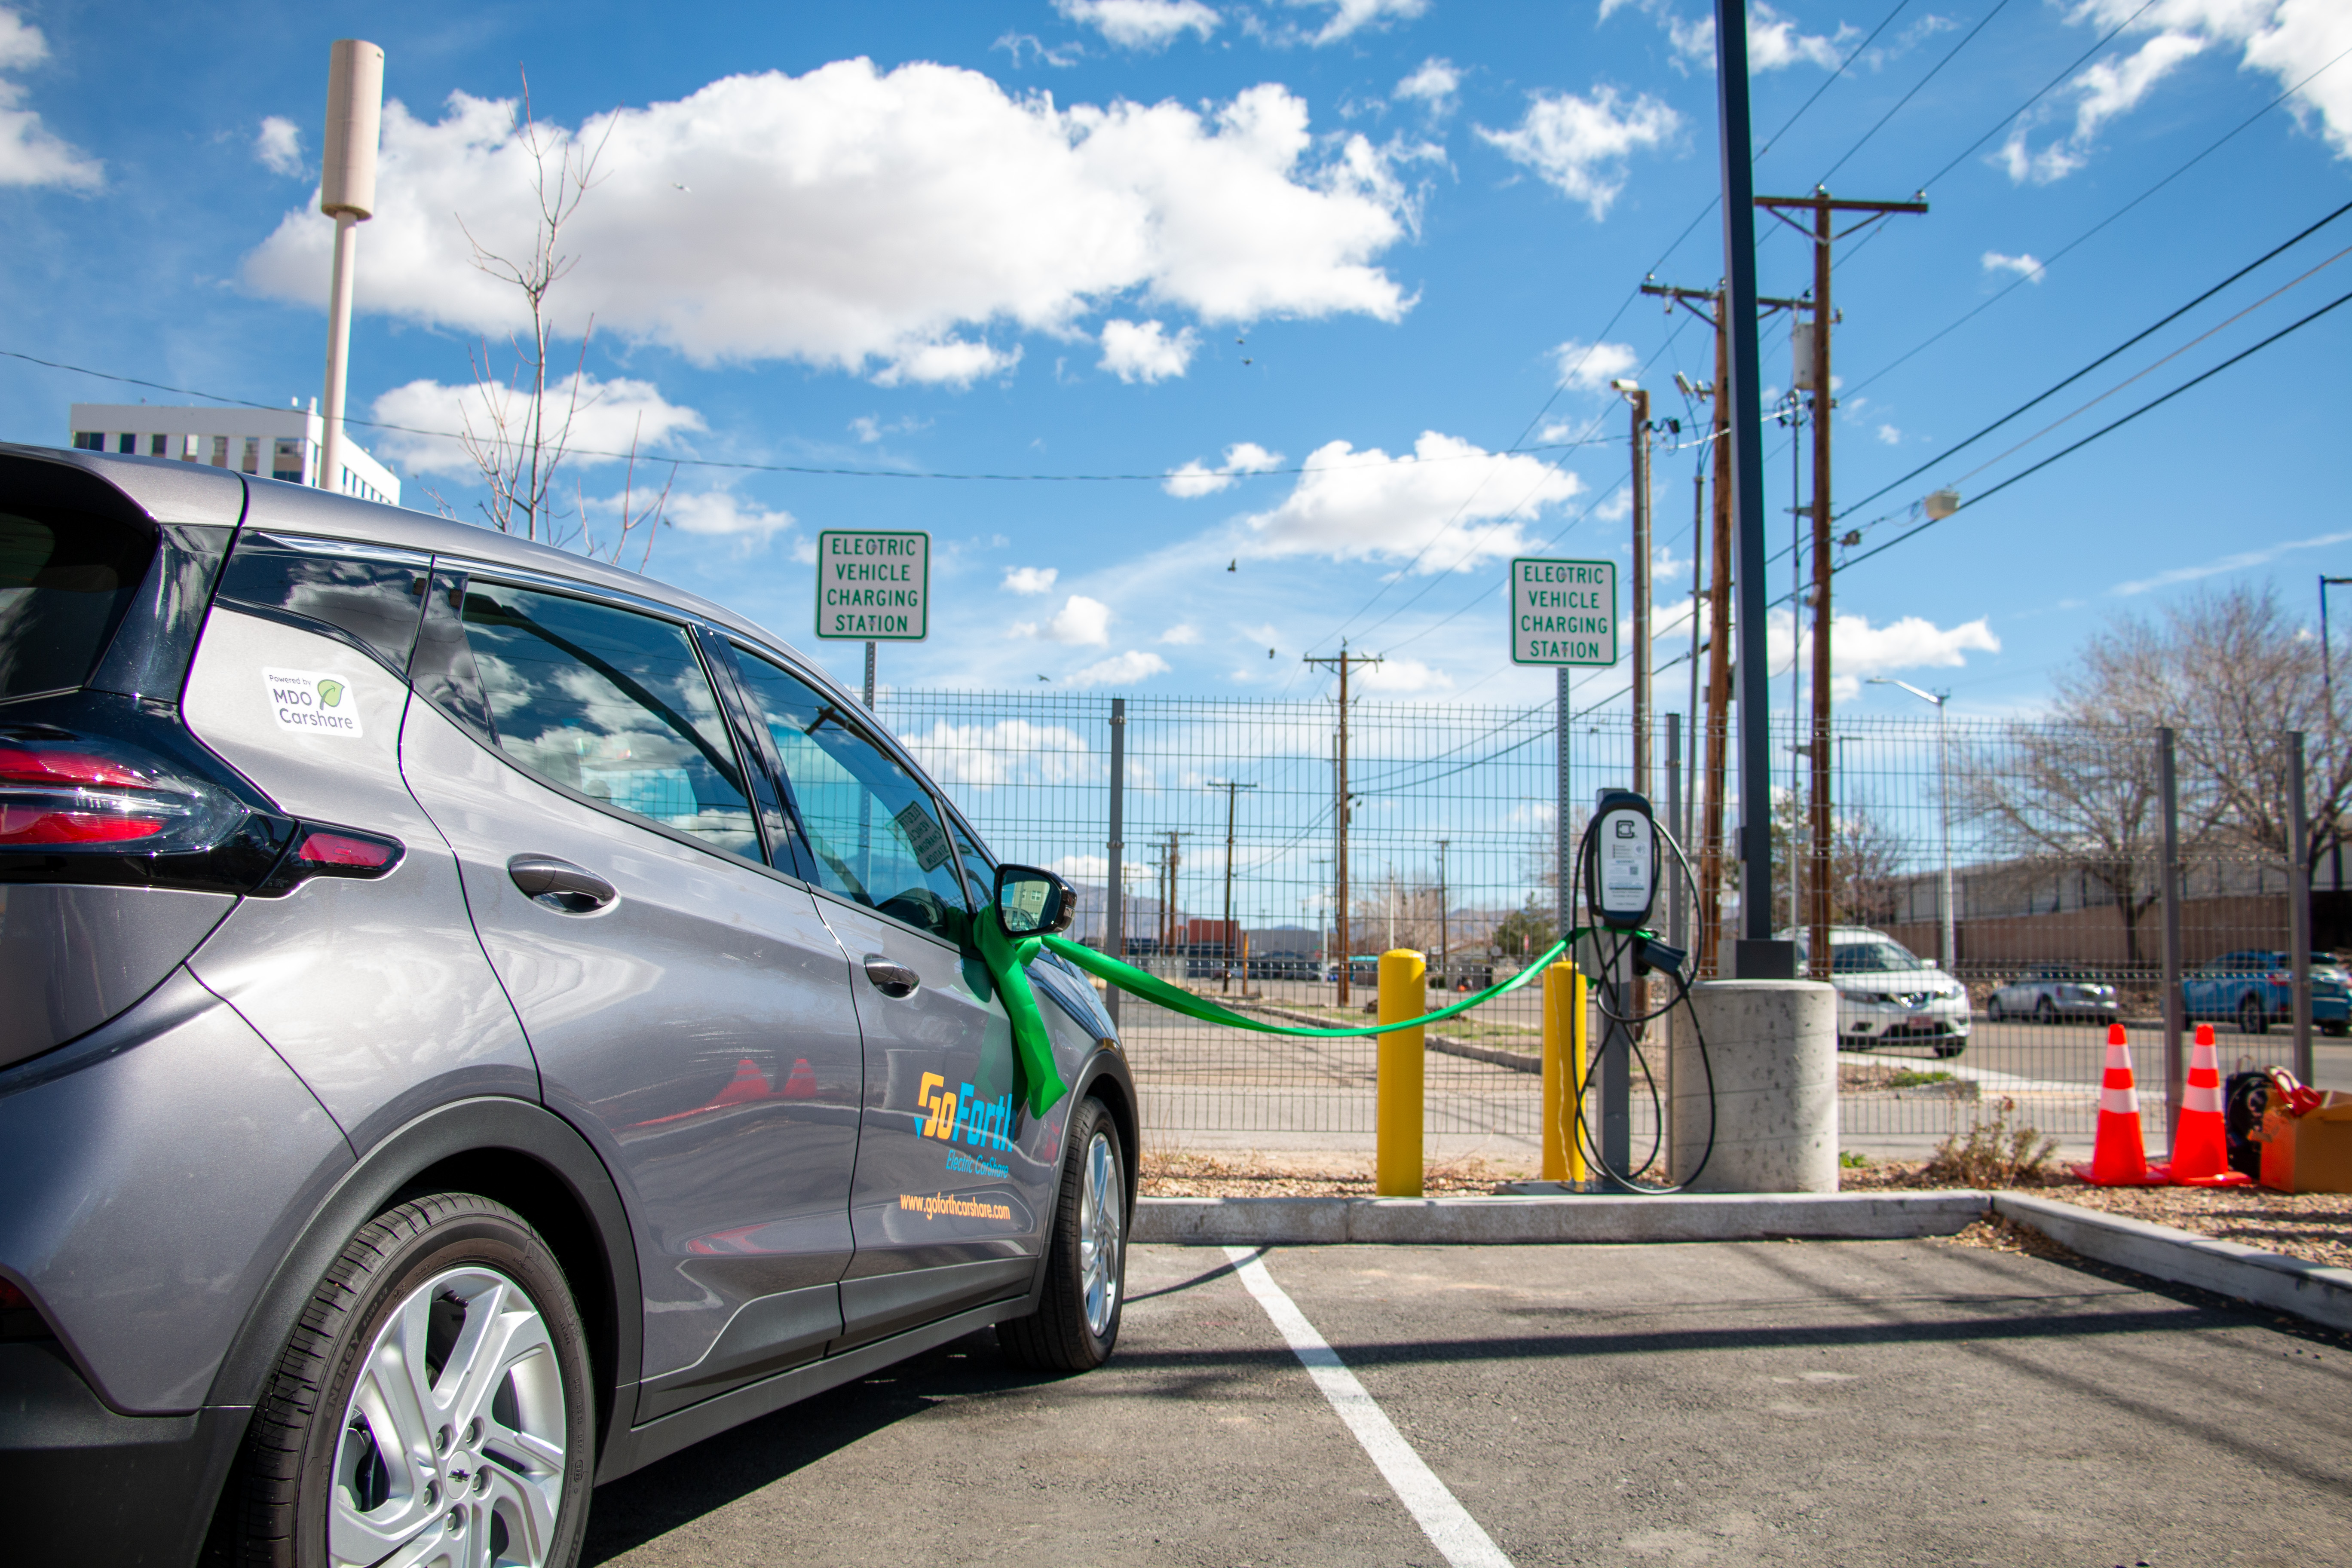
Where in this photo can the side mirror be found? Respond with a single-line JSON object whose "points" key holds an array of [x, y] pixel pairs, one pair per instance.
{"points": [[1032, 903]]}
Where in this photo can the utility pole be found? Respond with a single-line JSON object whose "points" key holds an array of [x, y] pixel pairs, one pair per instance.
{"points": [[1640, 400], [1444, 978], [1719, 612], [1825, 236], [1230, 944], [1341, 806]]}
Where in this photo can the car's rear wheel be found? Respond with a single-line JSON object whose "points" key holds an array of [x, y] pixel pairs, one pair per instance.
{"points": [[1077, 1322], [433, 1406], [1948, 1049], [2044, 1013], [2252, 1019]]}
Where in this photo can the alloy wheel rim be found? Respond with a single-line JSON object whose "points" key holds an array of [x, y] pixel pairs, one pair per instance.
{"points": [[1100, 1236], [451, 1453]]}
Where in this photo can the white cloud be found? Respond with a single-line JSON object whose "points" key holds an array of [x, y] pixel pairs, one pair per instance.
{"points": [[1403, 677], [1433, 84], [1142, 24], [1890, 434], [1351, 17], [1010, 751], [1860, 650], [2023, 264], [1197, 478], [30, 154], [1144, 352], [1591, 367], [1030, 580], [1449, 502], [279, 145], [1080, 622], [1579, 145], [1773, 41], [717, 513], [871, 221], [2103, 91], [2237, 562], [1119, 670], [1181, 635], [611, 415]]}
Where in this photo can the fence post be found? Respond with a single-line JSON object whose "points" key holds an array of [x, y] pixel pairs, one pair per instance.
{"points": [[2168, 786], [2298, 903], [1677, 927], [1115, 917], [1396, 1154]]}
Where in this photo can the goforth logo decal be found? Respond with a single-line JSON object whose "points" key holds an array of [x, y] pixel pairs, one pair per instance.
{"points": [[963, 1116]]}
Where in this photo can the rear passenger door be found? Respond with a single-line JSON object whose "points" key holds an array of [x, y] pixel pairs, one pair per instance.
{"points": [[954, 1179], [688, 1007]]}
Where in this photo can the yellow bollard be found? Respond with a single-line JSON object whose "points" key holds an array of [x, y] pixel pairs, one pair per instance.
{"points": [[1563, 1068], [1396, 1156]]}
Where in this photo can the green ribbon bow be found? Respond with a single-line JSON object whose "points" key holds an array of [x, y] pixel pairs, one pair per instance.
{"points": [[1176, 999], [1008, 960]]}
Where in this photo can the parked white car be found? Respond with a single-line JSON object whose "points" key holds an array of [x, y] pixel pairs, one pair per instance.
{"points": [[1889, 995]]}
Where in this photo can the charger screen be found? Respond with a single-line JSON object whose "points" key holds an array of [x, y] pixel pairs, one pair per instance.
{"points": [[1627, 874]]}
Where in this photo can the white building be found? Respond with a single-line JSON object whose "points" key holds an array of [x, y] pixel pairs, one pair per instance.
{"points": [[280, 444]]}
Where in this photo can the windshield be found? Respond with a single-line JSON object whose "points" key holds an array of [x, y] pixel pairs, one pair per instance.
{"points": [[1869, 957]]}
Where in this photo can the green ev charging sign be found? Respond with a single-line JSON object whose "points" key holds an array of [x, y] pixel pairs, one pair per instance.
{"points": [[1563, 611], [873, 586]]}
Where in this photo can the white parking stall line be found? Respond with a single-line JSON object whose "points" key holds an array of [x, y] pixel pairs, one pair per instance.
{"points": [[1443, 1519]]}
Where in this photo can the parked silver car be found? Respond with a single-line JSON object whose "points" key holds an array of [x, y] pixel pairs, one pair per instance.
{"points": [[473, 1021], [2056, 992]]}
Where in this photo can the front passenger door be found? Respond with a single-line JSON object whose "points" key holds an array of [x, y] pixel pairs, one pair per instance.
{"points": [[955, 1182]]}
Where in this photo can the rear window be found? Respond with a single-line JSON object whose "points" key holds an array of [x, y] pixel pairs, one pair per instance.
{"points": [[65, 580]]}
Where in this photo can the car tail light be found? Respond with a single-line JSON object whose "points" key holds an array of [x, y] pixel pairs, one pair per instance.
{"points": [[320, 850], [19, 1319]]}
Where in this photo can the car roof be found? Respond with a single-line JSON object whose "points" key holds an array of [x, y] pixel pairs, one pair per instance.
{"points": [[171, 490]]}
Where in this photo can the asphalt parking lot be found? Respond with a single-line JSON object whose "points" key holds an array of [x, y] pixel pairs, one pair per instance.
{"points": [[1821, 1403]]}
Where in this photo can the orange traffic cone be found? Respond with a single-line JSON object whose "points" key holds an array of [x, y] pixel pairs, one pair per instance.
{"points": [[2118, 1155], [749, 1083], [2201, 1148], [801, 1082]]}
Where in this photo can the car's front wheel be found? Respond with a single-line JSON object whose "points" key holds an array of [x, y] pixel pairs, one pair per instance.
{"points": [[2252, 1019], [434, 1405], [1077, 1322]]}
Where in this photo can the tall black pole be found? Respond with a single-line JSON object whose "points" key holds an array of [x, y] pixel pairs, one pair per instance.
{"points": [[1771, 961]]}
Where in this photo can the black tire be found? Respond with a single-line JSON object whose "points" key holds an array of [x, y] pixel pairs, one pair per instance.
{"points": [[2044, 1013], [1951, 1049], [310, 1424], [2332, 1031], [2252, 1019], [1069, 1331], [1993, 1012]]}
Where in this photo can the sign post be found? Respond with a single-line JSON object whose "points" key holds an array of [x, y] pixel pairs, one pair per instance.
{"points": [[874, 585], [1564, 614]]}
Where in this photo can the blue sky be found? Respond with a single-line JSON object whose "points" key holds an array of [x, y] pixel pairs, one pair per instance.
{"points": [[1390, 242]]}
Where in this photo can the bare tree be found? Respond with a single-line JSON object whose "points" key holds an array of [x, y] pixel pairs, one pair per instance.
{"points": [[518, 430], [2076, 794]]}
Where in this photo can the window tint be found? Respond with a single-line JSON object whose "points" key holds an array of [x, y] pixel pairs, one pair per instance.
{"points": [[612, 704], [871, 824], [64, 579], [372, 597], [1867, 957]]}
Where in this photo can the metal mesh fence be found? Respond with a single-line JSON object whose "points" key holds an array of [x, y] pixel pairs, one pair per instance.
{"points": [[2054, 837]]}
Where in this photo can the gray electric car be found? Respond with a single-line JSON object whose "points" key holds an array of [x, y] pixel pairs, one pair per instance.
{"points": [[473, 1022]]}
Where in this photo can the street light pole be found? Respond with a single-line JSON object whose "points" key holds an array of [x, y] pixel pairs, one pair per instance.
{"points": [[1229, 944], [1943, 806]]}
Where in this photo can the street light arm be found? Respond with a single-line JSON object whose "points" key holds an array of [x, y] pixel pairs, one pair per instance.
{"points": [[1922, 696]]}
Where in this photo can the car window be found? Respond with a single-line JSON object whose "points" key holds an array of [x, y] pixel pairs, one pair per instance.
{"points": [[871, 826], [65, 578], [612, 704], [1866, 957], [979, 870]]}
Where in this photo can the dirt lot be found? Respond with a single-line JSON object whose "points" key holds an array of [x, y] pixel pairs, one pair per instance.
{"points": [[2315, 1226]]}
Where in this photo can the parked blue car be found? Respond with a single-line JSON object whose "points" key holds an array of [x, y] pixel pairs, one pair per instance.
{"points": [[2256, 988]]}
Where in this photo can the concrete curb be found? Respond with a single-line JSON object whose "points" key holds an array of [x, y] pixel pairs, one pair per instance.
{"points": [[1505, 1221], [2309, 1290]]}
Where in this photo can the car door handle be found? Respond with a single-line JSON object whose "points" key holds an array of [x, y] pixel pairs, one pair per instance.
{"points": [[559, 884], [890, 977]]}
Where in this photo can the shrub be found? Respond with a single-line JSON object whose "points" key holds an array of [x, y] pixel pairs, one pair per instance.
{"points": [[1993, 1154]]}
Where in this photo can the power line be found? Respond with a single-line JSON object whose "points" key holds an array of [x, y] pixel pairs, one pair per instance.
{"points": [[2043, 267], [1907, 97], [1948, 453], [1774, 140], [1161, 477], [2038, 97], [2144, 408]]}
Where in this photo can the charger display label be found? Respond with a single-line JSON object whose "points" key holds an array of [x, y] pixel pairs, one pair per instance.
{"points": [[1627, 874]]}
